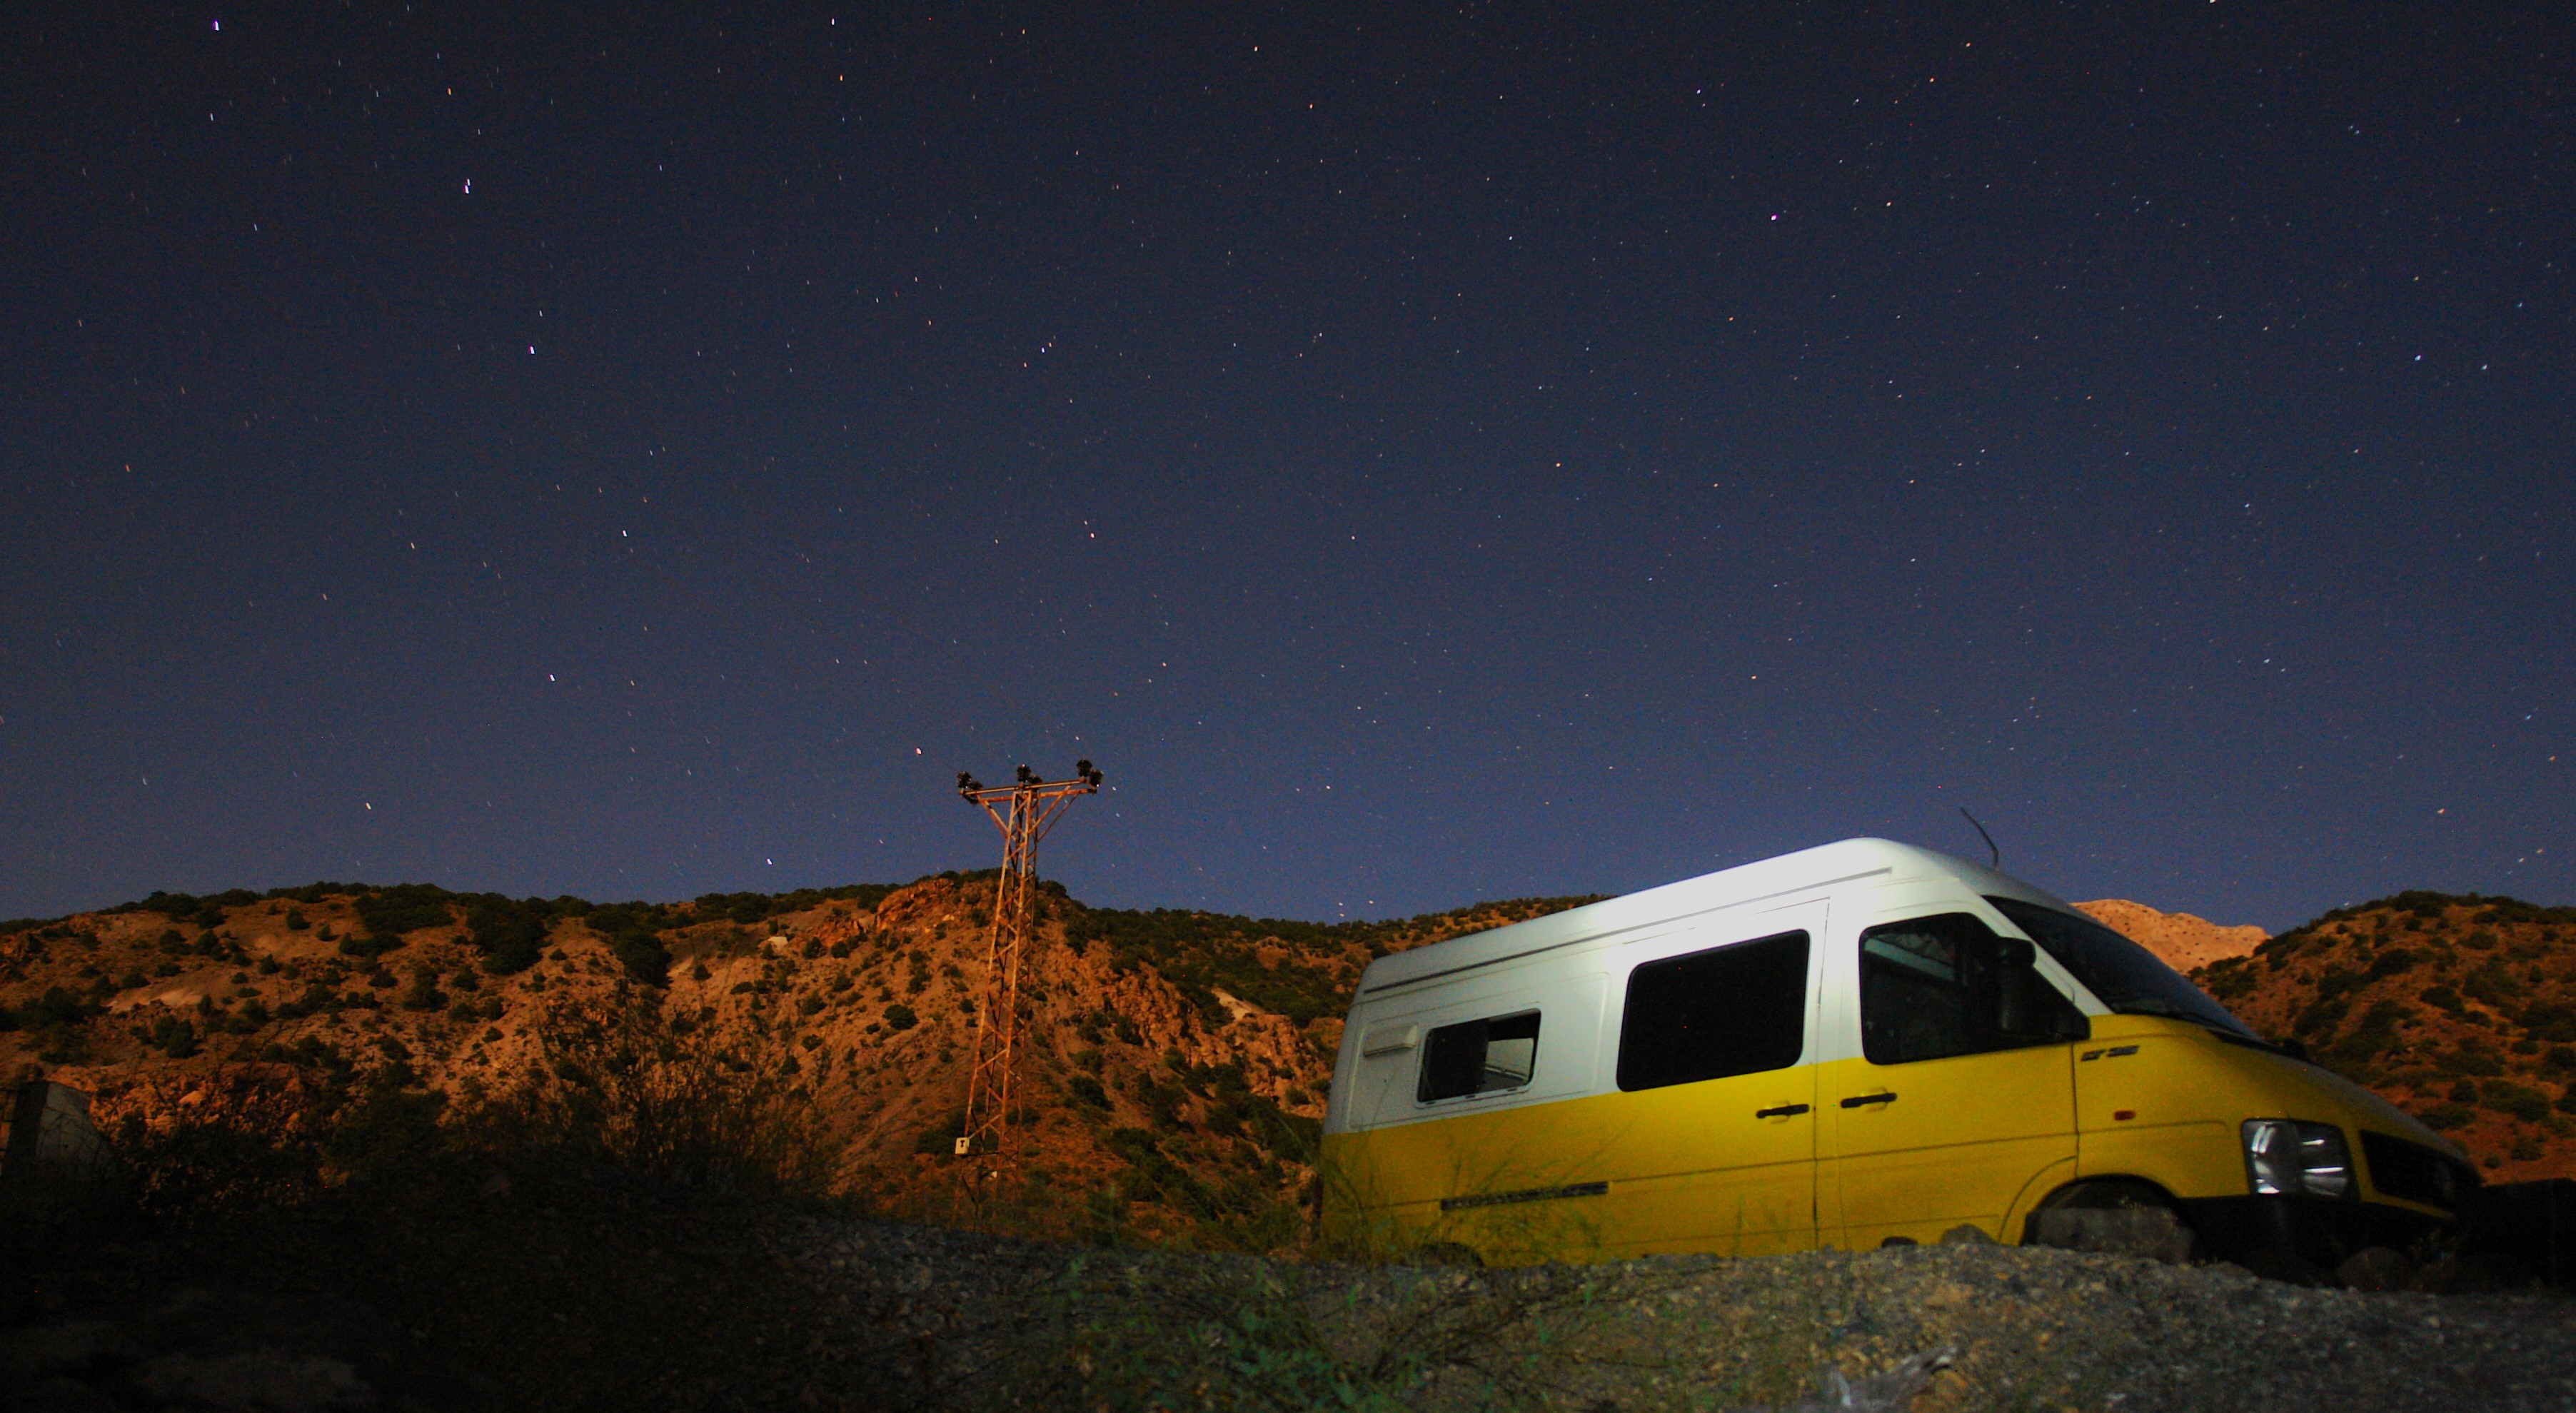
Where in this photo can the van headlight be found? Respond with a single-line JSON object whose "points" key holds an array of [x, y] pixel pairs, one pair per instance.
{"points": [[2286, 1158]]}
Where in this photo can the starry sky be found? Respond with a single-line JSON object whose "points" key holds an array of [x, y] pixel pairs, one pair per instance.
{"points": [[1420, 454]]}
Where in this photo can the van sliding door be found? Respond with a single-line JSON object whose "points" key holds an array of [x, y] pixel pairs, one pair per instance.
{"points": [[1710, 1143]]}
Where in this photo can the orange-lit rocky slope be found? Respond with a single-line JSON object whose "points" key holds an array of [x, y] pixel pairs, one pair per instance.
{"points": [[2461, 1009], [1173, 1065]]}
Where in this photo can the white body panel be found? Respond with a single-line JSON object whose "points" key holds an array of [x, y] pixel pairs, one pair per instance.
{"points": [[1574, 967]]}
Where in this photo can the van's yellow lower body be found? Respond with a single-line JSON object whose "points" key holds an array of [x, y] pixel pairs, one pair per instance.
{"points": [[1726, 1165]]}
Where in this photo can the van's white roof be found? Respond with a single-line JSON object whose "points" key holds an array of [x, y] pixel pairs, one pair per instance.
{"points": [[1784, 877]]}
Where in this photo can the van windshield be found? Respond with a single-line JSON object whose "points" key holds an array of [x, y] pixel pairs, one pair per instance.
{"points": [[2128, 977]]}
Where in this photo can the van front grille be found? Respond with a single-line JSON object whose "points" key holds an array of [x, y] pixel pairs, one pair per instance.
{"points": [[2415, 1173]]}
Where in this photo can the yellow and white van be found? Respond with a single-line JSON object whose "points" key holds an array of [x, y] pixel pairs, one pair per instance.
{"points": [[1849, 1046]]}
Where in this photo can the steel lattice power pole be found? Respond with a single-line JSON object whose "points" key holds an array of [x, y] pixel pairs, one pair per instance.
{"points": [[1025, 812]]}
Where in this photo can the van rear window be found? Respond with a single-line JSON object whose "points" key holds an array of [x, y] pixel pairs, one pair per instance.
{"points": [[1738, 1009], [1479, 1057]]}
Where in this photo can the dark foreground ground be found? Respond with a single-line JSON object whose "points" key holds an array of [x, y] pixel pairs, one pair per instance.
{"points": [[609, 1294]]}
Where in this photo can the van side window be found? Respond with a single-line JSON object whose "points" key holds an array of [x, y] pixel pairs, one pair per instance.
{"points": [[1479, 1057], [1738, 1009], [1947, 985]]}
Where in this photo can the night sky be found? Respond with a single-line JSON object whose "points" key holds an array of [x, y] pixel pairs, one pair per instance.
{"points": [[1421, 457]]}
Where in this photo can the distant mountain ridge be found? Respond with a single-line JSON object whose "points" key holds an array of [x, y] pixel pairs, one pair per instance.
{"points": [[2182, 940]]}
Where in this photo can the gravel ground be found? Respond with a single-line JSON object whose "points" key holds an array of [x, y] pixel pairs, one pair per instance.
{"points": [[674, 1300], [2032, 1328]]}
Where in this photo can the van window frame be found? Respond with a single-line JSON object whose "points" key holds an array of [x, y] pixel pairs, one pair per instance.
{"points": [[1811, 952], [1423, 1099], [2044, 969]]}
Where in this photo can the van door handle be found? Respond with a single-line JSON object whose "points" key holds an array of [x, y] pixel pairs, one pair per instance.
{"points": [[1858, 1100], [1780, 1111]]}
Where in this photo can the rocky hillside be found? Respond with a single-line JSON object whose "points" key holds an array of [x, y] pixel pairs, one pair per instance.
{"points": [[2184, 941], [2461, 1009], [1173, 1065]]}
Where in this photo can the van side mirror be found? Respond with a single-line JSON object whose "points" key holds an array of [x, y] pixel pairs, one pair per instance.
{"points": [[2029, 1005]]}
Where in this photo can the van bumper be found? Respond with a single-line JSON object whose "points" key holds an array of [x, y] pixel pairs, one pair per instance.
{"points": [[2318, 1232]]}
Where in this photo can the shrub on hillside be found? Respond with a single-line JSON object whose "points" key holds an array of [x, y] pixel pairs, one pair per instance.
{"points": [[2321, 1017], [2448, 1116], [391, 913], [2227, 979], [2489, 984], [391, 1130], [2358, 1055], [940, 1138], [1201, 953], [619, 1085], [633, 933], [2551, 1021], [2391, 962], [742, 908], [58, 1023], [509, 934], [172, 1037], [2521, 1101], [423, 993], [2471, 1059], [252, 1141]]}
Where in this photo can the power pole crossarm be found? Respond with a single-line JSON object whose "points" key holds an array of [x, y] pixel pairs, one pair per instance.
{"points": [[1024, 811]]}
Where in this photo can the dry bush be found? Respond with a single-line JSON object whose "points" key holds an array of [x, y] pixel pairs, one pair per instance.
{"points": [[227, 1140], [618, 1086]]}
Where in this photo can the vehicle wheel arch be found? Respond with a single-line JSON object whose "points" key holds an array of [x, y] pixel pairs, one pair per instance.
{"points": [[2111, 1190], [2122, 1192]]}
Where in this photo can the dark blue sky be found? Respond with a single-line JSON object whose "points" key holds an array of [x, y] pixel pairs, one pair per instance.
{"points": [[1483, 453]]}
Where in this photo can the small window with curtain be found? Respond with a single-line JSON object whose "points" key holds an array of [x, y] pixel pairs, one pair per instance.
{"points": [[1479, 1057]]}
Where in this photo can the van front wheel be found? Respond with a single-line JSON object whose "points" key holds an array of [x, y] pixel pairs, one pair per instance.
{"points": [[2116, 1216]]}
